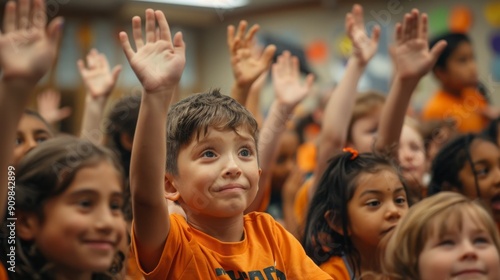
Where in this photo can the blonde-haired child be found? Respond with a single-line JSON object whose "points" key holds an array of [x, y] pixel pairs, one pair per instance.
{"points": [[446, 236]]}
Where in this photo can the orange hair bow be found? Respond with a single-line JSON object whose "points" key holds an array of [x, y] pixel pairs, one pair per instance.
{"points": [[353, 152]]}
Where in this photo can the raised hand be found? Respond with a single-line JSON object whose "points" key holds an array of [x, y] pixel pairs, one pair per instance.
{"points": [[27, 47], [286, 80], [364, 47], [48, 103], [412, 55], [247, 67], [98, 79], [158, 63]]}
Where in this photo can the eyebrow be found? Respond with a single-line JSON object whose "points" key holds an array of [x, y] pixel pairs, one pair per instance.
{"points": [[91, 192], [367, 192], [41, 131]]}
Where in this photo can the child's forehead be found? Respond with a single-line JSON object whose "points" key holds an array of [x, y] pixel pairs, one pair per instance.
{"points": [[203, 134]]}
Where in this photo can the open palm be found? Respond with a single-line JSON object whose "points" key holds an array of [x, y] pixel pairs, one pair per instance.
{"points": [[159, 62], [98, 78], [364, 47]]}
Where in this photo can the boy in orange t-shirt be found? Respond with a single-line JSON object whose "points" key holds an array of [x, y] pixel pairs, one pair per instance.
{"points": [[458, 99], [211, 170]]}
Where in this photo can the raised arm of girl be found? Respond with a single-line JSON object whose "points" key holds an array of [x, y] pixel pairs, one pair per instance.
{"points": [[27, 49]]}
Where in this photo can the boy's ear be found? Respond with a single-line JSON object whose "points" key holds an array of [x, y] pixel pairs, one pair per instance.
{"points": [[171, 191], [260, 171], [27, 225], [334, 223]]}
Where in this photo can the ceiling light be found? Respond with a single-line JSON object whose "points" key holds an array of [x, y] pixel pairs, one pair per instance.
{"points": [[218, 4]]}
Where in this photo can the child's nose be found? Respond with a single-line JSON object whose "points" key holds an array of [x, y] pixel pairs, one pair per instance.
{"points": [[232, 168], [468, 251]]}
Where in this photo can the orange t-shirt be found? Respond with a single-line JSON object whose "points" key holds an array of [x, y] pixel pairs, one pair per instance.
{"points": [[301, 204], [336, 268], [268, 251], [464, 109], [3, 272]]}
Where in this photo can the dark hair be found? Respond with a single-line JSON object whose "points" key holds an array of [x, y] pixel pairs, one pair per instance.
{"points": [[335, 190], [123, 119], [453, 40], [491, 131], [39, 117], [450, 160], [43, 174], [194, 115]]}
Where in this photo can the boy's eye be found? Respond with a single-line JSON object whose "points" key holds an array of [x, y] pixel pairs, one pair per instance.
{"points": [[245, 153], [19, 141], [446, 242], [116, 205], [208, 154]]}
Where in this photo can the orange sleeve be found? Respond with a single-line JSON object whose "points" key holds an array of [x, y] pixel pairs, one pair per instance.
{"points": [[3, 272], [133, 272], [335, 267], [302, 202]]}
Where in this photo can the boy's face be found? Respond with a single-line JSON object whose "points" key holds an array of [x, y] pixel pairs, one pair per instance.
{"points": [[218, 174], [461, 68]]}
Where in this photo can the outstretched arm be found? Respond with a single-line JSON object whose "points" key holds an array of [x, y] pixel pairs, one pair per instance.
{"points": [[158, 63], [246, 66], [99, 82], [413, 60], [289, 93], [27, 49], [338, 112]]}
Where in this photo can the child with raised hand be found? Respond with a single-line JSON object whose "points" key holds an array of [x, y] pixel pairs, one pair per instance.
{"points": [[99, 82], [289, 93], [337, 130], [69, 199], [360, 199], [247, 66], [470, 165], [211, 169], [413, 60], [48, 105], [447, 236]]}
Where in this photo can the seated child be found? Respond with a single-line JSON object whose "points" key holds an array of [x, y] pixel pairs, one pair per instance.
{"points": [[211, 170]]}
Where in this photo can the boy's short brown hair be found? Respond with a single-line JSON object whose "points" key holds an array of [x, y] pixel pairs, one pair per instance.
{"points": [[194, 115]]}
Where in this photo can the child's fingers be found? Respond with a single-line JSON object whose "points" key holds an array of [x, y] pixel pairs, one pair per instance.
{"points": [[268, 54], [437, 49], [150, 26], [9, 19], [287, 62], [92, 58], [81, 66], [23, 14], [423, 32], [230, 37], [349, 23], [179, 42], [309, 81], [406, 28], [116, 72], [357, 11], [103, 62], [39, 17], [137, 32], [54, 31], [415, 27], [375, 33], [163, 25], [127, 48], [295, 67], [251, 33], [398, 33], [241, 29]]}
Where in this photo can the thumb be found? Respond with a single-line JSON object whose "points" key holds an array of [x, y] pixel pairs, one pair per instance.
{"points": [[437, 50]]}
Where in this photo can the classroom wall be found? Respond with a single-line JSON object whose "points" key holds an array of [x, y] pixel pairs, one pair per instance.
{"points": [[306, 25]]}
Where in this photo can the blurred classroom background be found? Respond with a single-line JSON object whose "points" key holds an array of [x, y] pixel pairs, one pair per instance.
{"points": [[311, 29]]}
